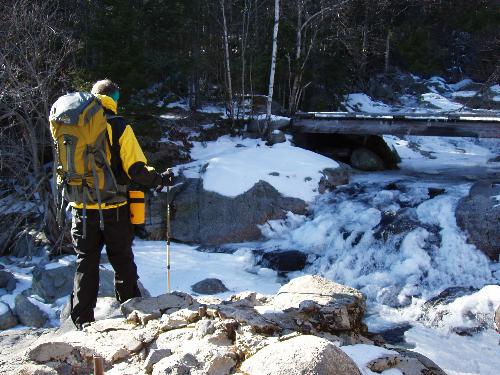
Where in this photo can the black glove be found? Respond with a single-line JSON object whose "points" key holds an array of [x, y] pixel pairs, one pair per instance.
{"points": [[167, 178]]}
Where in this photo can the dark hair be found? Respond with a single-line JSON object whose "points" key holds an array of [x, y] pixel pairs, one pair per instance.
{"points": [[105, 87]]}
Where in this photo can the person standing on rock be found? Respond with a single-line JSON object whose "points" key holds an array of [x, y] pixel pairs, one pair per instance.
{"points": [[114, 228]]}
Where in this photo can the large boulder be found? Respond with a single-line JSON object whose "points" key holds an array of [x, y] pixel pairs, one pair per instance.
{"points": [[7, 281], [28, 313], [333, 307], [366, 160], [7, 318], [479, 215], [208, 218], [54, 280], [300, 355]]}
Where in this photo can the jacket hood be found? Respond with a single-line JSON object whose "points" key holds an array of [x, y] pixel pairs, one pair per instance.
{"points": [[108, 103]]}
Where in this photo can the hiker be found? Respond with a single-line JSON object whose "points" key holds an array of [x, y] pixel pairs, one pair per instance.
{"points": [[106, 219]]}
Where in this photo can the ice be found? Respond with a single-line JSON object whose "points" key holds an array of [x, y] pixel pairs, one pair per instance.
{"points": [[458, 354]]}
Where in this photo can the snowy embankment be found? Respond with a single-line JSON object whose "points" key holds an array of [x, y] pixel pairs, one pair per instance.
{"points": [[231, 166]]}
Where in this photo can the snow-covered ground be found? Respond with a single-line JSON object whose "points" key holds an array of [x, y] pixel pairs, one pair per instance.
{"points": [[398, 274]]}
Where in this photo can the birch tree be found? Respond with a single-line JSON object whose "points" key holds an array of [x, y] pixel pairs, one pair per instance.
{"points": [[273, 63], [227, 63]]}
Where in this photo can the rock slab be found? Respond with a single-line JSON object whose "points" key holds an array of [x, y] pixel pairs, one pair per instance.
{"points": [[479, 215], [208, 218], [300, 355]]}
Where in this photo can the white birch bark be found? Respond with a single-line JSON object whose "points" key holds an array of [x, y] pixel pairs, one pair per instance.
{"points": [[228, 65], [273, 60]]}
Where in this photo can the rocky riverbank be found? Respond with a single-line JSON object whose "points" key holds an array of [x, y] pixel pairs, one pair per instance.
{"points": [[311, 324]]}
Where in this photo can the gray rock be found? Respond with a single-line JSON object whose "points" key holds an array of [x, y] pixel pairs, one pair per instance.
{"points": [[333, 177], [277, 136], [479, 215], [497, 318], [204, 327], [300, 355], [209, 286], [7, 318], [32, 369], [284, 260], [28, 313], [209, 218], [156, 306], [29, 243], [155, 356], [7, 281], [178, 364], [53, 283], [49, 351], [333, 307], [366, 160], [412, 363]]}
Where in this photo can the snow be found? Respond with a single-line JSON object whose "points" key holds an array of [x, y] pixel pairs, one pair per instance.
{"points": [[234, 165], [61, 262], [457, 355], [440, 102], [363, 103], [463, 94], [495, 89], [188, 266], [496, 98], [181, 104], [363, 354]]}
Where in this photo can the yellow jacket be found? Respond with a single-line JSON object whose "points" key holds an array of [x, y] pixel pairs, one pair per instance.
{"points": [[127, 160]]}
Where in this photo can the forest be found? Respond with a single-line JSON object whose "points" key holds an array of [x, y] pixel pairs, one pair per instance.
{"points": [[219, 50]]}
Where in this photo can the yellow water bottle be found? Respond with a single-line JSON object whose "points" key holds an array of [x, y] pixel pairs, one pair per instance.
{"points": [[137, 206]]}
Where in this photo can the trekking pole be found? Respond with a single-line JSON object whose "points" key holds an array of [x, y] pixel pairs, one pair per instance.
{"points": [[168, 239], [98, 365]]}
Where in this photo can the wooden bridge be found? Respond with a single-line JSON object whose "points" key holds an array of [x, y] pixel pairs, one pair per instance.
{"points": [[480, 125]]}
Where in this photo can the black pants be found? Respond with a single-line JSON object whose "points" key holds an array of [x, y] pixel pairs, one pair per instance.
{"points": [[117, 235]]}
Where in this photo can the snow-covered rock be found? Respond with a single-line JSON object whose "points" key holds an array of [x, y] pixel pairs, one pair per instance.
{"points": [[54, 280], [300, 355], [7, 281], [28, 313], [366, 160], [334, 307], [7, 318], [479, 215]]}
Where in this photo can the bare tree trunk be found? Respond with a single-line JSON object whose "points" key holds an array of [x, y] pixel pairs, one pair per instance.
{"points": [[273, 62], [387, 50], [364, 40], [227, 63]]}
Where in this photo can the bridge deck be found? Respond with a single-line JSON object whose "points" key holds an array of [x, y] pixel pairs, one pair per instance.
{"points": [[480, 125]]}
